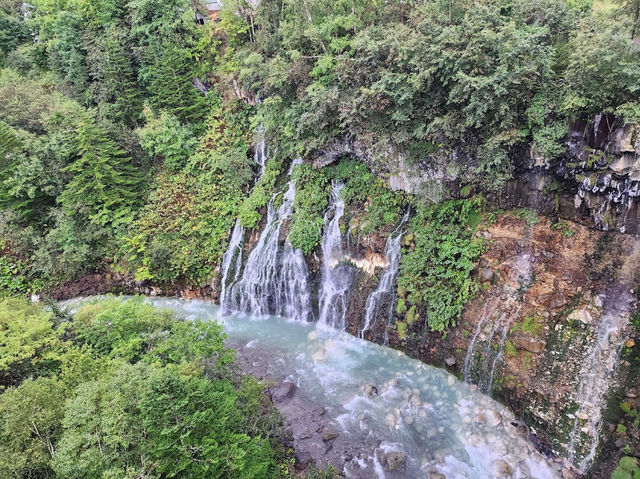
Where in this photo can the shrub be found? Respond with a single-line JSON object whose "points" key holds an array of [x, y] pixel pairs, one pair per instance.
{"points": [[435, 272]]}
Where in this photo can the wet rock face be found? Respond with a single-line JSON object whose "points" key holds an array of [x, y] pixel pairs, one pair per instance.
{"points": [[533, 345], [596, 182], [552, 316]]}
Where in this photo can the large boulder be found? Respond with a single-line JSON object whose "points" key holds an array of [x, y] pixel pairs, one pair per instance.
{"points": [[303, 458], [285, 391], [395, 460]]}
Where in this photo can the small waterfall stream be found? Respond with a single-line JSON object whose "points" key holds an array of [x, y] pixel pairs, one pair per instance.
{"points": [[336, 276], [600, 364], [381, 301], [231, 265], [229, 275], [487, 359], [596, 374], [275, 278]]}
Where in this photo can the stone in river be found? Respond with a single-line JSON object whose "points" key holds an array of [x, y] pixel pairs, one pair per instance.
{"points": [[329, 433], [395, 460], [500, 469], [493, 418], [285, 391]]}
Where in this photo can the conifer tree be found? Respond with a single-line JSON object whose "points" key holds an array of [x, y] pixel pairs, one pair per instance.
{"points": [[9, 144], [119, 96], [103, 179], [171, 86]]}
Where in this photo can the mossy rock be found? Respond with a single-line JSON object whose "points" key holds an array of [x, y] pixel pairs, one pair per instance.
{"points": [[627, 469], [401, 328], [412, 315]]}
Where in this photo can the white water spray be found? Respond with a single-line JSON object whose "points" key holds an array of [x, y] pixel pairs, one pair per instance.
{"points": [[275, 279], [336, 277], [232, 259], [381, 301]]}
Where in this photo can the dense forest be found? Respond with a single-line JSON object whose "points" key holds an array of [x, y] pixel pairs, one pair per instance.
{"points": [[123, 390], [127, 128]]}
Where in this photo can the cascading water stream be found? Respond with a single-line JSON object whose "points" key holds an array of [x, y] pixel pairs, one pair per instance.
{"points": [[336, 276], [275, 278], [232, 259], [600, 364], [381, 301], [596, 374], [487, 311], [519, 278], [233, 251]]}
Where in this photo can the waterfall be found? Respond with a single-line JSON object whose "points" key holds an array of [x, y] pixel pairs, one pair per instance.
{"points": [[381, 301], [233, 251], [336, 276], [275, 279], [596, 375], [230, 269], [506, 327], [600, 364], [487, 310]]}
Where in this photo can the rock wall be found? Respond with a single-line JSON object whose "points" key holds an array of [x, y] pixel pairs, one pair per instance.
{"points": [[596, 183]]}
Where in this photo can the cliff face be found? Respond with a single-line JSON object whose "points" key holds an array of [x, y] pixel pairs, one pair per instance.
{"points": [[597, 181], [551, 333], [554, 330]]}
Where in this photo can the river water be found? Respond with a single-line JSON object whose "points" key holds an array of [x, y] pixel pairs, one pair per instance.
{"points": [[441, 424]]}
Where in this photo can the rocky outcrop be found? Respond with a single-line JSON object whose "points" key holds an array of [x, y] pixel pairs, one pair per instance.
{"points": [[114, 283], [596, 182]]}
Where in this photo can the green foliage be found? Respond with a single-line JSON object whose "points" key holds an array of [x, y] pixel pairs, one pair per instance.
{"points": [[510, 349], [165, 139], [31, 415], [311, 200], [329, 472], [363, 191], [627, 469], [104, 181], [435, 272], [123, 394], [530, 217], [603, 71], [260, 194], [532, 325], [171, 85], [182, 231], [13, 31], [564, 227], [13, 279], [25, 330]]}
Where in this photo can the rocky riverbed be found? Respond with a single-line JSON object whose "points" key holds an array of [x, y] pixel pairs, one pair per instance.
{"points": [[374, 412]]}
